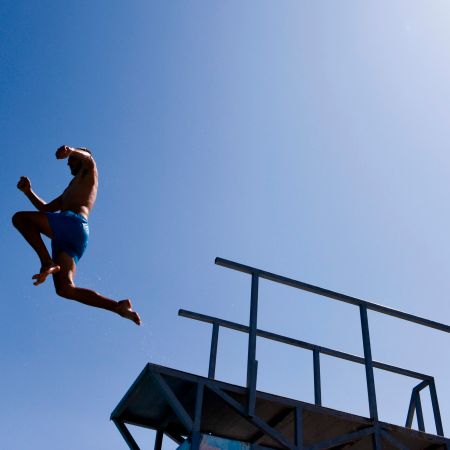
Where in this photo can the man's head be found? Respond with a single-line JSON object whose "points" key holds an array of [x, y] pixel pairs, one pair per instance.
{"points": [[75, 162]]}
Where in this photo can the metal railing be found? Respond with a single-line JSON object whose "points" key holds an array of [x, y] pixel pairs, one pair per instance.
{"points": [[415, 405]]}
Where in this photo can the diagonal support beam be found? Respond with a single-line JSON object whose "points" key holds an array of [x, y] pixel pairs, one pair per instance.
{"points": [[178, 439], [255, 420], [391, 439], [132, 444], [340, 440], [173, 401], [272, 423]]}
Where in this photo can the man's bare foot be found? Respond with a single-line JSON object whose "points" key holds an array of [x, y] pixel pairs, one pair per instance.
{"points": [[45, 272], [125, 309]]}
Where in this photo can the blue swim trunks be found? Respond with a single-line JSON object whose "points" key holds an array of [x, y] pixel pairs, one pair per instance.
{"points": [[70, 233]]}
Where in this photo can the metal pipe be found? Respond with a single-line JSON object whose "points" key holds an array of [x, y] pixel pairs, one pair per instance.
{"points": [[299, 427], [368, 363], [301, 344], [419, 413], [411, 409], [196, 428], [159, 439], [331, 294], [132, 444], [251, 357], [377, 437], [317, 383], [213, 351], [436, 410]]}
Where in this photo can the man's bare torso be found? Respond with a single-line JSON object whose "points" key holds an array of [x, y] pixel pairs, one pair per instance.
{"points": [[81, 193]]}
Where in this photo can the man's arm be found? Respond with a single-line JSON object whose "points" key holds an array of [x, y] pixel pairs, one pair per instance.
{"points": [[85, 157], [25, 186]]}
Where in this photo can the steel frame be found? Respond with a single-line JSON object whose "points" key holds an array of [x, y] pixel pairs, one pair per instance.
{"points": [[192, 424], [377, 430], [364, 307], [414, 407]]}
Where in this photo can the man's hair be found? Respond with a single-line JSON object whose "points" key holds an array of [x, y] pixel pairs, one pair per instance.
{"points": [[84, 150]]}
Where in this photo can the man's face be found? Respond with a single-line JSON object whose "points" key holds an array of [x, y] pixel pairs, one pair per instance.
{"points": [[75, 164]]}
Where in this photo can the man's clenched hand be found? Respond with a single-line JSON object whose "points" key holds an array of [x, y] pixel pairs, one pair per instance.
{"points": [[63, 152], [24, 184]]}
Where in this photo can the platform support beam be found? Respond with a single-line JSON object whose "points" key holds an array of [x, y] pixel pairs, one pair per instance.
{"points": [[159, 439], [255, 420], [173, 402], [388, 436], [377, 436], [341, 440], [273, 423], [132, 444], [196, 436], [299, 428]]}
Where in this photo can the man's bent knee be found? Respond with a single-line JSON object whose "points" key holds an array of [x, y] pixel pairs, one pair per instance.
{"points": [[18, 218], [65, 291]]}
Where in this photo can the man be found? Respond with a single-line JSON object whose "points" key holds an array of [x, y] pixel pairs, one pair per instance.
{"points": [[68, 230]]}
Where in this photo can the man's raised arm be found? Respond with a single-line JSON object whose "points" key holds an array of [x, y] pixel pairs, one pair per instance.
{"points": [[24, 185], [83, 155]]}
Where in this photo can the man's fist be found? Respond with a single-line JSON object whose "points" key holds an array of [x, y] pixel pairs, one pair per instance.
{"points": [[63, 152], [24, 184]]}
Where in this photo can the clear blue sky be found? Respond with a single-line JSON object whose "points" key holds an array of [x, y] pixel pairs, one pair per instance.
{"points": [[309, 139]]}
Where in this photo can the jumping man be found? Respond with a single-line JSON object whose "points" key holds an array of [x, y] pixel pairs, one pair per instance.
{"points": [[69, 231]]}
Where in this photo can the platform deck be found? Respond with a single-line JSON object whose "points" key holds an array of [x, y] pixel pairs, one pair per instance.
{"points": [[147, 404]]}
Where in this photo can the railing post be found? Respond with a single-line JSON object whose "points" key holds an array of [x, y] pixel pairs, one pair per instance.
{"points": [[213, 351], [368, 363], [411, 410], [436, 410], [317, 383], [252, 364], [419, 412]]}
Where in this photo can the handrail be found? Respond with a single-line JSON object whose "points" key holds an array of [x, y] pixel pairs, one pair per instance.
{"points": [[363, 306], [331, 294], [415, 403], [302, 344]]}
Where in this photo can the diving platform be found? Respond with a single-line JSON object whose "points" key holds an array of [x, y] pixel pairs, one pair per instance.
{"points": [[166, 399], [200, 412]]}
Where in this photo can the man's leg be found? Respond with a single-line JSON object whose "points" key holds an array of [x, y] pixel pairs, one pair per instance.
{"points": [[65, 287], [31, 225]]}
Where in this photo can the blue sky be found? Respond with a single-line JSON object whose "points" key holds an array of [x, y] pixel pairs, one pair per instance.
{"points": [[309, 139]]}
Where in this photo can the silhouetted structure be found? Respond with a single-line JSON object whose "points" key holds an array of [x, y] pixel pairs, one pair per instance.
{"points": [[196, 411]]}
